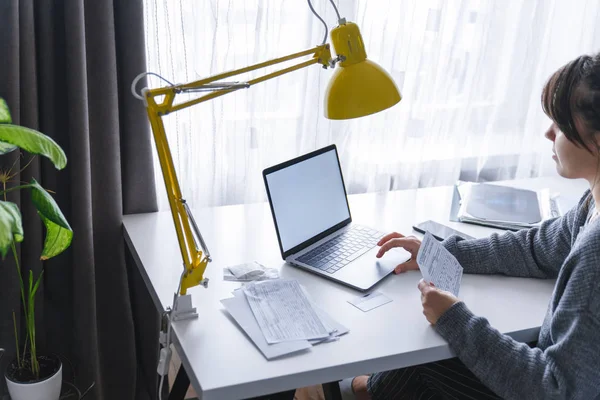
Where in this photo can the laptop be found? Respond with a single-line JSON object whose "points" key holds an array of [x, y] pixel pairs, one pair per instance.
{"points": [[314, 225]]}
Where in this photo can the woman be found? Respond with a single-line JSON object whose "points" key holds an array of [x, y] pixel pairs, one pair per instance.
{"points": [[564, 362]]}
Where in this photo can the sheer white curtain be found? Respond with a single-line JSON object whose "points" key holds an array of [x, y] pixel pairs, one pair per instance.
{"points": [[470, 73]]}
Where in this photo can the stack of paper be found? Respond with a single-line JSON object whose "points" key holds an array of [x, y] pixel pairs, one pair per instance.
{"points": [[504, 207], [280, 318]]}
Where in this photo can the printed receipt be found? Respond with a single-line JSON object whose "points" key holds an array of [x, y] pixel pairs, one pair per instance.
{"points": [[438, 265], [283, 311]]}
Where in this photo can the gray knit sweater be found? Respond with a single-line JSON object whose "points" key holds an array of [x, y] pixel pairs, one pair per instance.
{"points": [[565, 364]]}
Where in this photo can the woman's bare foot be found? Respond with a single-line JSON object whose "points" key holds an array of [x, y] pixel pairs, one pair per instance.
{"points": [[359, 387]]}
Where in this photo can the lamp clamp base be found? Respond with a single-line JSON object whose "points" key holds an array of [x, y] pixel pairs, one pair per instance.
{"points": [[183, 309]]}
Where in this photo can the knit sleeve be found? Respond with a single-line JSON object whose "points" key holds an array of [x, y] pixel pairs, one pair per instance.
{"points": [[537, 252], [513, 370], [566, 366]]}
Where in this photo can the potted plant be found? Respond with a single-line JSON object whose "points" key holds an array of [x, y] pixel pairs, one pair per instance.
{"points": [[30, 376]]}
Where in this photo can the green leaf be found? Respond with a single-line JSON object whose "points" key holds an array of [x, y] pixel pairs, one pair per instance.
{"points": [[6, 148], [5, 119], [58, 239], [11, 228], [46, 205], [13, 209], [4, 112], [37, 284], [33, 142], [58, 232]]}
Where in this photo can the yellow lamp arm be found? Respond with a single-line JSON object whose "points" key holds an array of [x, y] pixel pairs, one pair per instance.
{"points": [[194, 260]]}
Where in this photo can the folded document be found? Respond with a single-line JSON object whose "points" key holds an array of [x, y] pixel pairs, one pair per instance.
{"points": [[438, 265], [249, 272]]}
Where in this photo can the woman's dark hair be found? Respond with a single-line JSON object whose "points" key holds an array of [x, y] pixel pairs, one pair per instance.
{"points": [[574, 92]]}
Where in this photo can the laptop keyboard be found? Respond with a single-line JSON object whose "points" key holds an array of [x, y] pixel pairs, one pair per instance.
{"points": [[338, 252]]}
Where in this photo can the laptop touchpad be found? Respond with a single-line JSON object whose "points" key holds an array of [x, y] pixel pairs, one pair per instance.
{"points": [[367, 270]]}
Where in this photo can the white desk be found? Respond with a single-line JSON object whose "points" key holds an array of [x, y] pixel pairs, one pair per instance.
{"points": [[221, 361]]}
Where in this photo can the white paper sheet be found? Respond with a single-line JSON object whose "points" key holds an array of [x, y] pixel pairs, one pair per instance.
{"points": [[370, 301], [239, 309], [336, 328], [283, 311], [438, 265]]}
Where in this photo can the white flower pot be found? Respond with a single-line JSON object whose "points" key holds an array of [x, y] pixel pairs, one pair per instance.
{"points": [[47, 389]]}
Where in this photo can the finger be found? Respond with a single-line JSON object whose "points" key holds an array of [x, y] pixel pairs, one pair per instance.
{"points": [[389, 236], [405, 243], [410, 265], [427, 316], [423, 283], [425, 287]]}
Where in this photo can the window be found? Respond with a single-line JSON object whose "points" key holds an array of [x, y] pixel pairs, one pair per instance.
{"points": [[470, 73]]}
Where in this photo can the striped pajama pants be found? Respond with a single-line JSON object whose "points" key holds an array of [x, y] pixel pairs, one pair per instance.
{"points": [[447, 379]]}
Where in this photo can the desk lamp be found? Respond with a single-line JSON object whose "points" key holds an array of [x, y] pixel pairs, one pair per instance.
{"points": [[357, 88]]}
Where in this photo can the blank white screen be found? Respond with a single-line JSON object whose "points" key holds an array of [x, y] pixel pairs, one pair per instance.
{"points": [[308, 198]]}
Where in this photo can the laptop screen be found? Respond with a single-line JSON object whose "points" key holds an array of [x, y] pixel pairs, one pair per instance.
{"points": [[307, 196]]}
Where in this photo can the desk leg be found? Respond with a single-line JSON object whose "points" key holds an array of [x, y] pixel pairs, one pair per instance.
{"points": [[180, 386], [332, 391]]}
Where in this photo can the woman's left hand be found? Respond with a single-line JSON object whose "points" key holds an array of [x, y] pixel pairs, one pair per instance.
{"points": [[435, 301]]}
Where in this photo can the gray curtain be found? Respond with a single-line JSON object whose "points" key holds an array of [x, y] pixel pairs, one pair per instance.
{"points": [[65, 69]]}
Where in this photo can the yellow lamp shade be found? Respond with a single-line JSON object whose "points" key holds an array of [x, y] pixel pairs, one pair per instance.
{"points": [[359, 86]]}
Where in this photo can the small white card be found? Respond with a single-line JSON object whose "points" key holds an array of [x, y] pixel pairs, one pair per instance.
{"points": [[438, 265], [370, 301]]}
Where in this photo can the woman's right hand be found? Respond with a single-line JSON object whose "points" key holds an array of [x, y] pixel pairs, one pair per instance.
{"points": [[408, 243]]}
